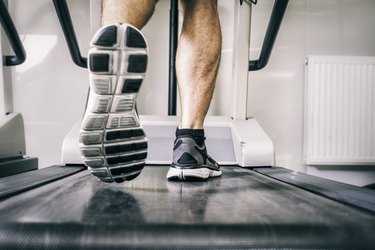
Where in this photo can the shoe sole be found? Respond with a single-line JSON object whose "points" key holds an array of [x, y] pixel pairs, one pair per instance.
{"points": [[198, 174], [112, 142]]}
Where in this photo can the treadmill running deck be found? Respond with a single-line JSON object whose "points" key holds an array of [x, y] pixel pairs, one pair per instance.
{"points": [[241, 209]]}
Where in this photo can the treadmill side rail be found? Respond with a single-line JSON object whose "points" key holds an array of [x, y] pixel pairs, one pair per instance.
{"points": [[359, 197], [252, 145], [13, 146], [12, 185], [12, 136]]}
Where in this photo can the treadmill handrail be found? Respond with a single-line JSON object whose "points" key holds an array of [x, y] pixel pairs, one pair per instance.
{"points": [[65, 20], [276, 18], [13, 37]]}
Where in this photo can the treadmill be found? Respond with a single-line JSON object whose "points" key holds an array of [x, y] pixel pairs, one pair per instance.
{"points": [[249, 207]]}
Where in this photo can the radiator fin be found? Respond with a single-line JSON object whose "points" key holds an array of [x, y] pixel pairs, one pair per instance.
{"points": [[339, 110]]}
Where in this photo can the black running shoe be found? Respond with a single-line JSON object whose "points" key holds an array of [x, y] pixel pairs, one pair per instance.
{"points": [[112, 142], [191, 162]]}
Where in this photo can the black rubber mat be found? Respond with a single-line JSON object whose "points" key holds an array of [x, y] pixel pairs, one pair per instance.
{"points": [[240, 210]]}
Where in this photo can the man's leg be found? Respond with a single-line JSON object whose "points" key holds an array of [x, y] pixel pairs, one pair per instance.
{"points": [[112, 143], [134, 12], [198, 59]]}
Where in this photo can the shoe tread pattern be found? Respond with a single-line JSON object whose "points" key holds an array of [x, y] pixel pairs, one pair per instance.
{"points": [[112, 142]]}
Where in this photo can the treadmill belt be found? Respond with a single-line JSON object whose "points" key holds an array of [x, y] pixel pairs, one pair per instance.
{"points": [[242, 209]]}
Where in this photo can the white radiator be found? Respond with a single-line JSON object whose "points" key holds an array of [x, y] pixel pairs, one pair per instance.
{"points": [[339, 120]]}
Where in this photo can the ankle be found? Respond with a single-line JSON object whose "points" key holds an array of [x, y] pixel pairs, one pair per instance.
{"points": [[191, 124], [196, 134]]}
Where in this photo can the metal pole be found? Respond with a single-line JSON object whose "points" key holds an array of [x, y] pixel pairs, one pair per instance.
{"points": [[173, 40]]}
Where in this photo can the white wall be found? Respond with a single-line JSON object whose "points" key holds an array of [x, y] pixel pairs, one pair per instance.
{"points": [[323, 27], [50, 91]]}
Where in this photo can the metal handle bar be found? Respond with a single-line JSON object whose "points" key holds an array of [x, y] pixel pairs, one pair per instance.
{"points": [[13, 37], [65, 20], [276, 18]]}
